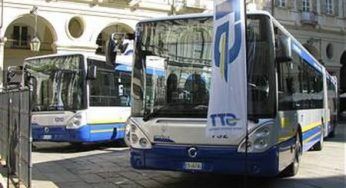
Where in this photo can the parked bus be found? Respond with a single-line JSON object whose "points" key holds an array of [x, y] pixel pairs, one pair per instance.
{"points": [[288, 107], [79, 98]]}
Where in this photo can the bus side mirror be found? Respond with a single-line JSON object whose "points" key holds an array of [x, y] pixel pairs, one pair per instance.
{"points": [[283, 52], [113, 46], [92, 72]]}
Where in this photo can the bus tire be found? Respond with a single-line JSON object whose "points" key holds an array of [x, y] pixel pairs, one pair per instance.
{"points": [[332, 134], [77, 144], [293, 168], [319, 145], [122, 142]]}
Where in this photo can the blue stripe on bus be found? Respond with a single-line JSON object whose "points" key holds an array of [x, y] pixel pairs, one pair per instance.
{"points": [[311, 137], [123, 68], [307, 57], [218, 159], [311, 132], [87, 133], [150, 71]]}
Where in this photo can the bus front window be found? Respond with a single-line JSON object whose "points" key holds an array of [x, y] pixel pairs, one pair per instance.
{"points": [[172, 70], [57, 82]]}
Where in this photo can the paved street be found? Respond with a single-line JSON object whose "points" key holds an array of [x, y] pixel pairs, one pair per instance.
{"points": [[62, 165]]}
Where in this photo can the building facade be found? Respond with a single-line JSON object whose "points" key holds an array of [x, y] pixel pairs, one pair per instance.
{"points": [[320, 25], [85, 25], [76, 25]]}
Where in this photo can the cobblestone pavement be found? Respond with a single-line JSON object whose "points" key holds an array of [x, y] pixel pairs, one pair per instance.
{"points": [[62, 165]]}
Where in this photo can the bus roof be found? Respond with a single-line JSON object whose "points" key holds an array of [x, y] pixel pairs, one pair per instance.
{"points": [[198, 15], [303, 52], [92, 56]]}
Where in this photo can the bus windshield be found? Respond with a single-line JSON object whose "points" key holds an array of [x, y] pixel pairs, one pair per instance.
{"points": [[172, 70], [57, 82]]}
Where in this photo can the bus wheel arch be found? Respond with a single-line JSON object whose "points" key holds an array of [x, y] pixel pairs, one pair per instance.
{"points": [[292, 169]]}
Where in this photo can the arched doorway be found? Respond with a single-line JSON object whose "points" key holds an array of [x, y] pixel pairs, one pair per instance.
{"points": [[342, 84], [343, 73], [106, 32], [19, 34]]}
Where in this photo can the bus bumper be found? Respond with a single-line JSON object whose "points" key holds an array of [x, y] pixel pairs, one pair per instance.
{"points": [[213, 159], [86, 133]]}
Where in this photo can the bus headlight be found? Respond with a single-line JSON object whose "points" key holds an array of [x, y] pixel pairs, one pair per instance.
{"points": [[137, 138], [76, 121], [259, 140]]}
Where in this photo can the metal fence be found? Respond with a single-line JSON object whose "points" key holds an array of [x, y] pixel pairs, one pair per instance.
{"points": [[15, 135]]}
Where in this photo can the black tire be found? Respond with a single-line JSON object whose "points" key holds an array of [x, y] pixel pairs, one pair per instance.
{"points": [[319, 145], [293, 168], [332, 134], [77, 144], [122, 142]]}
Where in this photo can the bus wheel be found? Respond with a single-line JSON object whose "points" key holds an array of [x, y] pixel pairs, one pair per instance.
{"points": [[77, 144], [122, 142], [332, 133], [292, 169], [319, 145]]}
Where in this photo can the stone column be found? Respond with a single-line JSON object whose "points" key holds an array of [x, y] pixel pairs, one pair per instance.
{"points": [[2, 48]]}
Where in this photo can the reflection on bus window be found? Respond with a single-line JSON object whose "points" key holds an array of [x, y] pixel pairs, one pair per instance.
{"points": [[110, 88]]}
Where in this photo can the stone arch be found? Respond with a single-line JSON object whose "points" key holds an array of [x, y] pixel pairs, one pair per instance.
{"points": [[104, 34], [19, 33], [343, 72], [342, 83]]}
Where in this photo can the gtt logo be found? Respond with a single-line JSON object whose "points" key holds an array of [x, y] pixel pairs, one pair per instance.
{"points": [[224, 119], [227, 15]]}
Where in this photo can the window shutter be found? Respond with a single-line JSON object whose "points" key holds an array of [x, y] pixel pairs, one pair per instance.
{"points": [[323, 6], [336, 7], [314, 5], [24, 36], [277, 3], [15, 35], [344, 8], [290, 3], [300, 5]]}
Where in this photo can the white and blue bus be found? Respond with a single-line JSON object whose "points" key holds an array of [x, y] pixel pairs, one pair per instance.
{"points": [[288, 107], [78, 98]]}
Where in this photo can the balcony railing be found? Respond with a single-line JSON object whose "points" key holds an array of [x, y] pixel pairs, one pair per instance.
{"points": [[308, 18]]}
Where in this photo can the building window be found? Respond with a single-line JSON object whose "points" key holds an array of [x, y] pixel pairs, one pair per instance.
{"points": [[76, 27], [329, 7], [329, 51], [282, 3], [20, 37], [306, 5]]}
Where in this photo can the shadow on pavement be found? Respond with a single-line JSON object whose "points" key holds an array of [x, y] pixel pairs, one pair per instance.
{"points": [[340, 135], [64, 147], [112, 169]]}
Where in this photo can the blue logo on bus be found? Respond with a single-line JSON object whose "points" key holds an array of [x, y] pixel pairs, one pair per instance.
{"points": [[224, 119], [225, 54]]}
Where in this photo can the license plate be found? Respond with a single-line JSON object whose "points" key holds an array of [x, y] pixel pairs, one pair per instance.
{"points": [[47, 137], [193, 166]]}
